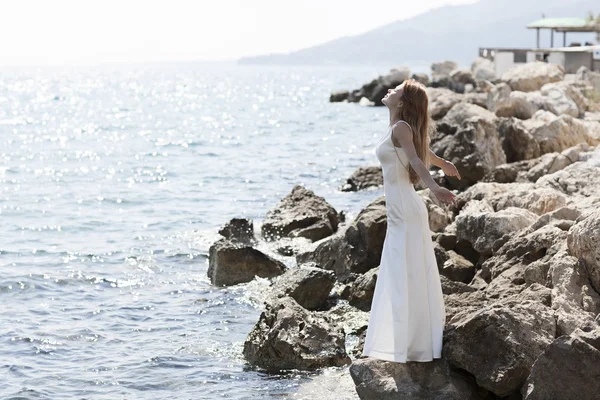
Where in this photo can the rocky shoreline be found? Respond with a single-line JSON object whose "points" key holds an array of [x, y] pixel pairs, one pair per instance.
{"points": [[519, 256]]}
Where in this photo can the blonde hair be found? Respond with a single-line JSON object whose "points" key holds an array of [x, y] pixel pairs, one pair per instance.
{"points": [[414, 109]]}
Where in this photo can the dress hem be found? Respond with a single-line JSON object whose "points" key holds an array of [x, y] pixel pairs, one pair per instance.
{"points": [[394, 357]]}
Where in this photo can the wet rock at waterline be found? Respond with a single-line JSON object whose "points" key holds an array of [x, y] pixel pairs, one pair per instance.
{"points": [[238, 229], [233, 262], [309, 286], [377, 379], [301, 214], [287, 336]]}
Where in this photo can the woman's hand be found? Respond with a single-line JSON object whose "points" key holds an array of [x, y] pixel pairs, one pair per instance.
{"points": [[449, 169], [444, 195]]}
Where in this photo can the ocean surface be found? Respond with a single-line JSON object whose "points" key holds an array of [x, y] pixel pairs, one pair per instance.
{"points": [[113, 183]]}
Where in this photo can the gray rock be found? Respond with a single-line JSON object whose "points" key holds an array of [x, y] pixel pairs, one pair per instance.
{"points": [[309, 286], [567, 369], [382, 380], [457, 268], [517, 142], [363, 288], [355, 250], [238, 229], [499, 343], [584, 243], [422, 78], [339, 96], [301, 214], [441, 100], [364, 178], [230, 263], [532, 76], [475, 150], [461, 112], [287, 336]]}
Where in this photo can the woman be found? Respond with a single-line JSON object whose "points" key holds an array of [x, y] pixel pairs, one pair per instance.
{"points": [[407, 312]]}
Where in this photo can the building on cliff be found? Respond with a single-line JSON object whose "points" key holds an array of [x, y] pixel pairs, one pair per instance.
{"points": [[571, 57]]}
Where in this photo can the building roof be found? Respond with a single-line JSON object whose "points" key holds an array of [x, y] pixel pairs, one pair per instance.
{"points": [[566, 24]]}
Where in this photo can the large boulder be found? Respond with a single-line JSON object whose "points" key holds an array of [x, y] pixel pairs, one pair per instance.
{"points": [[364, 178], [584, 243], [301, 214], [362, 290], [517, 142], [567, 369], [461, 112], [287, 336], [230, 263], [532, 76], [441, 100], [377, 379], [238, 229], [309, 286], [535, 198], [375, 90], [499, 343], [475, 149], [567, 93], [559, 134], [457, 268], [574, 301], [355, 250], [479, 224]]}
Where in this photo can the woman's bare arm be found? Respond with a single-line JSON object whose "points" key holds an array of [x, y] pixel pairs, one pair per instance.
{"points": [[435, 160], [403, 135]]}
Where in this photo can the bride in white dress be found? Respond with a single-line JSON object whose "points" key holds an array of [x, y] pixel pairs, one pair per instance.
{"points": [[407, 312]]}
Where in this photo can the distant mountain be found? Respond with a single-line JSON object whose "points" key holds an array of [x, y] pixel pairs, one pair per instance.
{"points": [[450, 32]]}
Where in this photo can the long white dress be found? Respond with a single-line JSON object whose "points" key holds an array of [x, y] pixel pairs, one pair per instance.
{"points": [[407, 312]]}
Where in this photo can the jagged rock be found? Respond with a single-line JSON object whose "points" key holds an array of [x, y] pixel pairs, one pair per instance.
{"points": [[339, 96], [559, 133], [301, 214], [355, 250], [377, 88], [475, 149], [309, 286], [443, 68], [477, 98], [377, 379], [567, 369], [523, 250], [499, 343], [461, 112], [535, 198], [457, 268], [479, 224], [451, 287], [441, 100], [584, 243], [287, 336], [231, 263], [462, 76], [363, 288], [562, 90], [364, 178], [532, 76], [574, 301], [238, 229]]}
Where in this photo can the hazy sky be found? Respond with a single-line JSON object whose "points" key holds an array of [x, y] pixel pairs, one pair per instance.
{"points": [[91, 31]]}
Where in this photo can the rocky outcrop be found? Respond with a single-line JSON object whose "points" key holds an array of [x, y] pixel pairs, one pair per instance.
{"points": [[584, 243], [364, 178], [233, 262], [441, 100], [238, 229], [355, 250], [287, 336], [361, 293], [308, 285], [376, 379], [475, 149], [532, 76], [375, 90], [499, 344], [566, 369], [301, 214]]}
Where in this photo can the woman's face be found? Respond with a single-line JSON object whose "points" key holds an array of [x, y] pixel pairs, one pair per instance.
{"points": [[392, 98]]}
